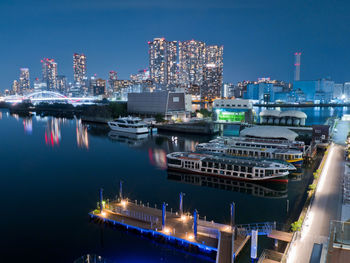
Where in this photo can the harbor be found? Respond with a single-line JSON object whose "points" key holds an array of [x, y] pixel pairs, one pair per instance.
{"points": [[114, 154]]}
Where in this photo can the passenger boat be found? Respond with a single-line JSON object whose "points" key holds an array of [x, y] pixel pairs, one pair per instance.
{"points": [[260, 143], [239, 168], [128, 124], [292, 156]]}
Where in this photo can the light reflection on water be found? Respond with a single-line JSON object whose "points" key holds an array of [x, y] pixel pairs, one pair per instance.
{"points": [[82, 135]]}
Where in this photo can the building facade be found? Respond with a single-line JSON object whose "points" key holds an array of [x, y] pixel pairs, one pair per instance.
{"points": [[163, 62], [24, 80], [233, 110], [79, 69], [213, 73], [191, 63], [49, 71]]}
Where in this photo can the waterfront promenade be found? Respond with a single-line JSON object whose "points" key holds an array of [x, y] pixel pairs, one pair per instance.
{"points": [[325, 207]]}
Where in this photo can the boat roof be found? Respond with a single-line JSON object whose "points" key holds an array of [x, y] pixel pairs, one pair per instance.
{"points": [[222, 146]]}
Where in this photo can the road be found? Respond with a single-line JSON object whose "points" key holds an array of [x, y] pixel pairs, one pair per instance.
{"points": [[325, 207]]}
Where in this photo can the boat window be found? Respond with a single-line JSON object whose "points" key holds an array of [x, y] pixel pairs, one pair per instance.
{"points": [[174, 161], [203, 169], [250, 169], [223, 166], [216, 165], [243, 168], [210, 164], [241, 175], [235, 168], [204, 164], [228, 173], [229, 167], [215, 171], [234, 174], [249, 176]]}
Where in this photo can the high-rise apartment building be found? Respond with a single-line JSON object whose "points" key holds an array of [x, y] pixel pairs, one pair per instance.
{"points": [[79, 69], [15, 87], [213, 72], [49, 71], [191, 63], [163, 62], [24, 81], [62, 84]]}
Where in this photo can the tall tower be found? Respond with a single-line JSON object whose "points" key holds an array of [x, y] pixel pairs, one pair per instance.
{"points": [[24, 82], [192, 58], [79, 68], [162, 61], [213, 72], [49, 70], [297, 66]]}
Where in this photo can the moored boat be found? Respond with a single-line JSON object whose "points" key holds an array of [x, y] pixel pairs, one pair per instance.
{"points": [[292, 156], [128, 124], [246, 169]]}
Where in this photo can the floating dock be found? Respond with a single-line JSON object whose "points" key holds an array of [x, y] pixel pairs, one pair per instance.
{"points": [[181, 229]]}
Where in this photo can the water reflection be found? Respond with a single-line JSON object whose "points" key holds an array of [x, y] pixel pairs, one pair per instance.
{"points": [[0, 115], [82, 135], [28, 125], [266, 190], [53, 132], [130, 139], [157, 158]]}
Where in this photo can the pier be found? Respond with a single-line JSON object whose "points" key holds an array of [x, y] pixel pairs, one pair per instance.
{"points": [[182, 229], [186, 230]]}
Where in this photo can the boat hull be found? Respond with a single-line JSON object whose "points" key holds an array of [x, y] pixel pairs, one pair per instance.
{"points": [[281, 179]]}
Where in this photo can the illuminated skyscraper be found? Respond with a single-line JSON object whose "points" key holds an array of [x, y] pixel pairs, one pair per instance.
{"points": [[62, 84], [112, 77], [79, 68], [49, 70], [213, 72], [191, 63], [163, 62], [24, 81], [15, 87]]}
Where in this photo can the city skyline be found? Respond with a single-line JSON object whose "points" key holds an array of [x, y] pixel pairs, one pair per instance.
{"points": [[250, 51]]}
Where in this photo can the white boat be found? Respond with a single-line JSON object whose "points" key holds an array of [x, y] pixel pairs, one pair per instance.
{"points": [[128, 124], [239, 168]]}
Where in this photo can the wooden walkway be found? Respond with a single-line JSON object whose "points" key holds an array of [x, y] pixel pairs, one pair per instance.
{"points": [[280, 235], [177, 228]]}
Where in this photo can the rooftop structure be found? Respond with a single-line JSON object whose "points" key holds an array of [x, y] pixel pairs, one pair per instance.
{"points": [[271, 132], [276, 117]]}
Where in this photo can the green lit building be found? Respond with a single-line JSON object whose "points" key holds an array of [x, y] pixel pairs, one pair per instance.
{"points": [[233, 110]]}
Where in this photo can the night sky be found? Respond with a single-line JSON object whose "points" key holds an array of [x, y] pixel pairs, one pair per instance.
{"points": [[259, 37]]}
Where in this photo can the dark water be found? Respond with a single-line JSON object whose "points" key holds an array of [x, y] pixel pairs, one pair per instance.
{"points": [[51, 170]]}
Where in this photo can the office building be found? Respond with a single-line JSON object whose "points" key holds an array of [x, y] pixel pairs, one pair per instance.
{"points": [[163, 62], [24, 80]]}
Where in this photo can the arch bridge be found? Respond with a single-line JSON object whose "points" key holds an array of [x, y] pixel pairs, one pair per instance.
{"points": [[47, 96]]}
